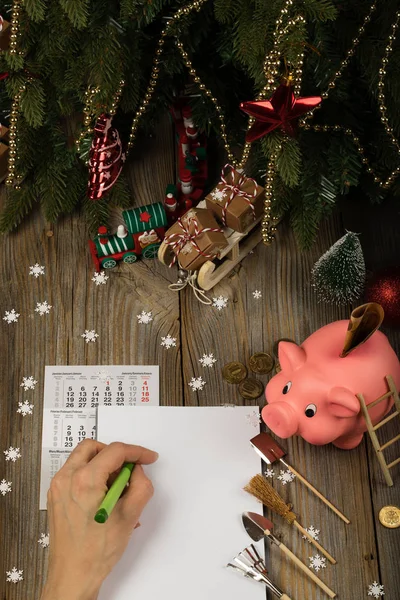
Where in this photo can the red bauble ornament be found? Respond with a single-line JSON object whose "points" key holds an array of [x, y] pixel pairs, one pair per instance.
{"points": [[106, 158], [282, 110], [384, 288]]}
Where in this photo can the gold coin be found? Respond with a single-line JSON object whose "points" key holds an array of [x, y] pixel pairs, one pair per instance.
{"points": [[250, 389], [261, 362], [389, 516], [234, 372]]}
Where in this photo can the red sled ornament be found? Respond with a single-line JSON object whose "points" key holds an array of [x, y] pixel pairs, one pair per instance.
{"points": [[106, 158]]}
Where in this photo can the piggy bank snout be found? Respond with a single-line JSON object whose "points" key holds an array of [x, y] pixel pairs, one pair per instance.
{"points": [[280, 418]]}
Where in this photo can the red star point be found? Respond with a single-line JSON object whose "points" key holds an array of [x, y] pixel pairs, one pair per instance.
{"points": [[145, 216], [282, 110]]}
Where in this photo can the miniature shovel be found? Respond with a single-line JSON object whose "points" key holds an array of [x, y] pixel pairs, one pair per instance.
{"points": [[270, 451], [258, 526]]}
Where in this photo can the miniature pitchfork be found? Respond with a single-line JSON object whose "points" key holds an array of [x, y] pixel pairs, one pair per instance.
{"points": [[270, 451]]}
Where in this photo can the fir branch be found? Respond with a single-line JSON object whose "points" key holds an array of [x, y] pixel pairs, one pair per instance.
{"points": [[223, 10], [96, 213], [18, 205], [120, 194], [36, 9], [320, 10], [33, 103], [289, 162], [271, 142], [77, 12]]}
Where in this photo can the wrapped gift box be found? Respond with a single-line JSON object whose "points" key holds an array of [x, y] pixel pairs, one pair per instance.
{"points": [[3, 161], [4, 133], [195, 238], [237, 201], [5, 35]]}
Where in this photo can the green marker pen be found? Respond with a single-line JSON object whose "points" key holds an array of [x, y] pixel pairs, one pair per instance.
{"points": [[114, 493]]}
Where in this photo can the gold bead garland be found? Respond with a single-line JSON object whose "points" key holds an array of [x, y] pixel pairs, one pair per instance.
{"points": [[89, 112], [271, 68], [15, 15], [268, 223], [181, 12], [381, 101], [13, 134]]}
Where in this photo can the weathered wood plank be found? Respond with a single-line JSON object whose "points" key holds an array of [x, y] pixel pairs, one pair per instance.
{"points": [[288, 308], [35, 341], [381, 245]]}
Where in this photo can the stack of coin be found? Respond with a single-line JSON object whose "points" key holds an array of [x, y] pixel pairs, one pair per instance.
{"points": [[236, 373]]}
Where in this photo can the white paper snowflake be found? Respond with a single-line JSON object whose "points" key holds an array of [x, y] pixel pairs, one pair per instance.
{"points": [[286, 477], [317, 562], [44, 540], [100, 278], [24, 408], [43, 308], [14, 575], [104, 375], [218, 195], [220, 302], [207, 360], [257, 294], [269, 473], [28, 383], [36, 270], [168, 341], [5, 487], [375, 590], [90, 335], [197, 383], [314, 533], [11, 316], [12, 454], [145, 317], [254, 418]]}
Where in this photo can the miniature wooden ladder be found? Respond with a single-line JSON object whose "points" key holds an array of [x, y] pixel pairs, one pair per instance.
{"points": [[372, 428]]}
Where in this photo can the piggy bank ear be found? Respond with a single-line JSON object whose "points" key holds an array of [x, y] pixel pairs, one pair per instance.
{"points": [[343, 403], [291, 356]]}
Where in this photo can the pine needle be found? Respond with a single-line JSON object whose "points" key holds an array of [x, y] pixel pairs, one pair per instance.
{"points": [[259, 487]]}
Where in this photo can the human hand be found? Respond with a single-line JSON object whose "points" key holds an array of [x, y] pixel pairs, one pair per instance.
{"points": [[83, 552]]}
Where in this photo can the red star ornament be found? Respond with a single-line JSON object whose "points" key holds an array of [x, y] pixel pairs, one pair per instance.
{"points": [[145, 216], [281, 110]]}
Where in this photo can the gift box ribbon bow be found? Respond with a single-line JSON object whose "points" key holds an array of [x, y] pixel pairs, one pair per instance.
{"points": [[235, 189], [178, 241]]}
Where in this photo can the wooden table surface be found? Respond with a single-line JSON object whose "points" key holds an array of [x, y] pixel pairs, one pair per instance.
{"points": [[365, 551]]}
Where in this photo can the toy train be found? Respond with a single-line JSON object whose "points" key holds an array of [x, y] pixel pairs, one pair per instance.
{"points": [[141, 235]]}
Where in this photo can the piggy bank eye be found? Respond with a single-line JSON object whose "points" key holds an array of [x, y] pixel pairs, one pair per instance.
{"points": [[310, 411], [287, 387]]}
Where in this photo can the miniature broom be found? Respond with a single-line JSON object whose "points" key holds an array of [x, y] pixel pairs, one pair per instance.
{"points": [[265, 493]]}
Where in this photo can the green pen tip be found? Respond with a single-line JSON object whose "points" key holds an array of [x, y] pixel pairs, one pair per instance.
{"points": [[101, 516]]}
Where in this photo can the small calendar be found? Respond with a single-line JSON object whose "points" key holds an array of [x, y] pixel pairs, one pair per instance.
{"points": [[71, 397]]}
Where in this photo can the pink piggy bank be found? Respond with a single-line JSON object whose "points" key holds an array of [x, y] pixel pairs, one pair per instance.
{"points": [[314, 395]]}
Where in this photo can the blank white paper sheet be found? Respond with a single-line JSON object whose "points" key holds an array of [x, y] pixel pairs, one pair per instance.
{"points": [[192, 526]]}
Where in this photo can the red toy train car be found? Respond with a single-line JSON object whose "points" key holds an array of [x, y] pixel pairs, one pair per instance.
{"points": [[141, 235]]}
